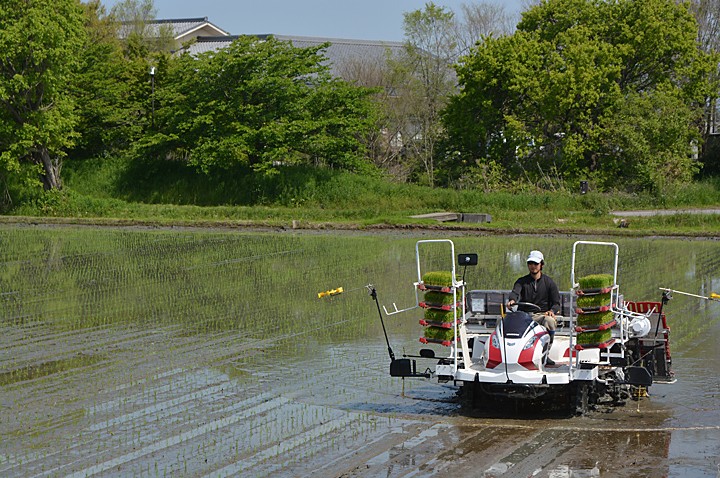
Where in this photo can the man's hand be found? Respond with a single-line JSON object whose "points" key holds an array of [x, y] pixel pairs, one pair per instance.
{"points": [[510, 303], [550, 313]]}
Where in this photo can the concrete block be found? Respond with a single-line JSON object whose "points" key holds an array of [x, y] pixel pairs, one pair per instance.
{"points": [[439, 216], [475, 217]]}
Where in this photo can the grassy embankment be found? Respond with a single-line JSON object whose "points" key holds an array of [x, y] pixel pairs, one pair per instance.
{"points": [[113, 192]]}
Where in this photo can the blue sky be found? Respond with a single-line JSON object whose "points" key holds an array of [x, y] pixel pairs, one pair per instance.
{"points": [[357, 19]]}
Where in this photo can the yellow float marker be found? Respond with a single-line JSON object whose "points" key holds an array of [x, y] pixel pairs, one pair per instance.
{"points": [[330, 292]]}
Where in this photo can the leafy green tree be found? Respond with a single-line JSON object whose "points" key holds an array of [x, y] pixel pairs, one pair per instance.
{"points": [[40, 42], [543, 102], [260, 104], [111, 91], [655, 147]]}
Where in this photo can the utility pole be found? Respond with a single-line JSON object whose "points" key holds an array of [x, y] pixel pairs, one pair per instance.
{"points": [[152, 82]]}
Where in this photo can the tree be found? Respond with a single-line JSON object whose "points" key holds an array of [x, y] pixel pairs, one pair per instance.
{"points": [[707, 14], [135, 26], [480, 20], [541, 103], [423, 80], [382, 146], [39, 45], [420, 81], [260, 104], [111, 91], [655, 147]]}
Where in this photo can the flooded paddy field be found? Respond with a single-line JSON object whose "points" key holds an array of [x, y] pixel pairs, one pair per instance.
{"points": [[199, 353]]}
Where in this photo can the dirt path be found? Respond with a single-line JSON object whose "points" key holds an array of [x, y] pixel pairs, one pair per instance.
{"points": [[664, 212]]}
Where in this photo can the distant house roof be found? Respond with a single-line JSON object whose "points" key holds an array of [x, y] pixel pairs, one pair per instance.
{"points": [[188, 27], [339, 53], [182, 29]]}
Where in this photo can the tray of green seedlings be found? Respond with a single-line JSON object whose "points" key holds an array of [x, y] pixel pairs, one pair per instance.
{"points": [[595, 284], [437, 280], [596, 321], [594, 317], [438, 318], [588, 304], [595, 338], [438, 300], [438, 335]]}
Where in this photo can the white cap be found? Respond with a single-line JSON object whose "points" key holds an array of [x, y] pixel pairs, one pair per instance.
{"points": [[535, 256]]}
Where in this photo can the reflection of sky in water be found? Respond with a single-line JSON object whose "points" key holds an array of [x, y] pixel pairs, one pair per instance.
{"points": [[695, 403], [690, 272], [515, 259], [715, 284], [695, 453]]}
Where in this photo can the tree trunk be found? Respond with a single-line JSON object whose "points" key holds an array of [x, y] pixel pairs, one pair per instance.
{"points": [[51, 168]]}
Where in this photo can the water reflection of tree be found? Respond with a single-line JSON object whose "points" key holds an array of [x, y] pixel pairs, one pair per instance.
{"points": [[267, 283]]}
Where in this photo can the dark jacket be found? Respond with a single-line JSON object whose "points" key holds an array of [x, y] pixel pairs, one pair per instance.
{"points": [[543, 292]]}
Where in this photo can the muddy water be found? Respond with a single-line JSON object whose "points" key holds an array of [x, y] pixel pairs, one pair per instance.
{"points": [[145, 353]]}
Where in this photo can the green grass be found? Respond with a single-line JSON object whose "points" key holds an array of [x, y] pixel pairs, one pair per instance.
{"points": [[113, 189]]}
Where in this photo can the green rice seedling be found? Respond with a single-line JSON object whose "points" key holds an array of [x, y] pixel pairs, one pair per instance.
{"points": [[595, 281], [439, 333], [235, 302], [438, 278], [587, 301], [598, 318], [596, 337], [438, 298], [436, 315]]}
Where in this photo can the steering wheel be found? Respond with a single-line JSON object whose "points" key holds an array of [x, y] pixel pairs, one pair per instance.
{"points": [[527, 307]]}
